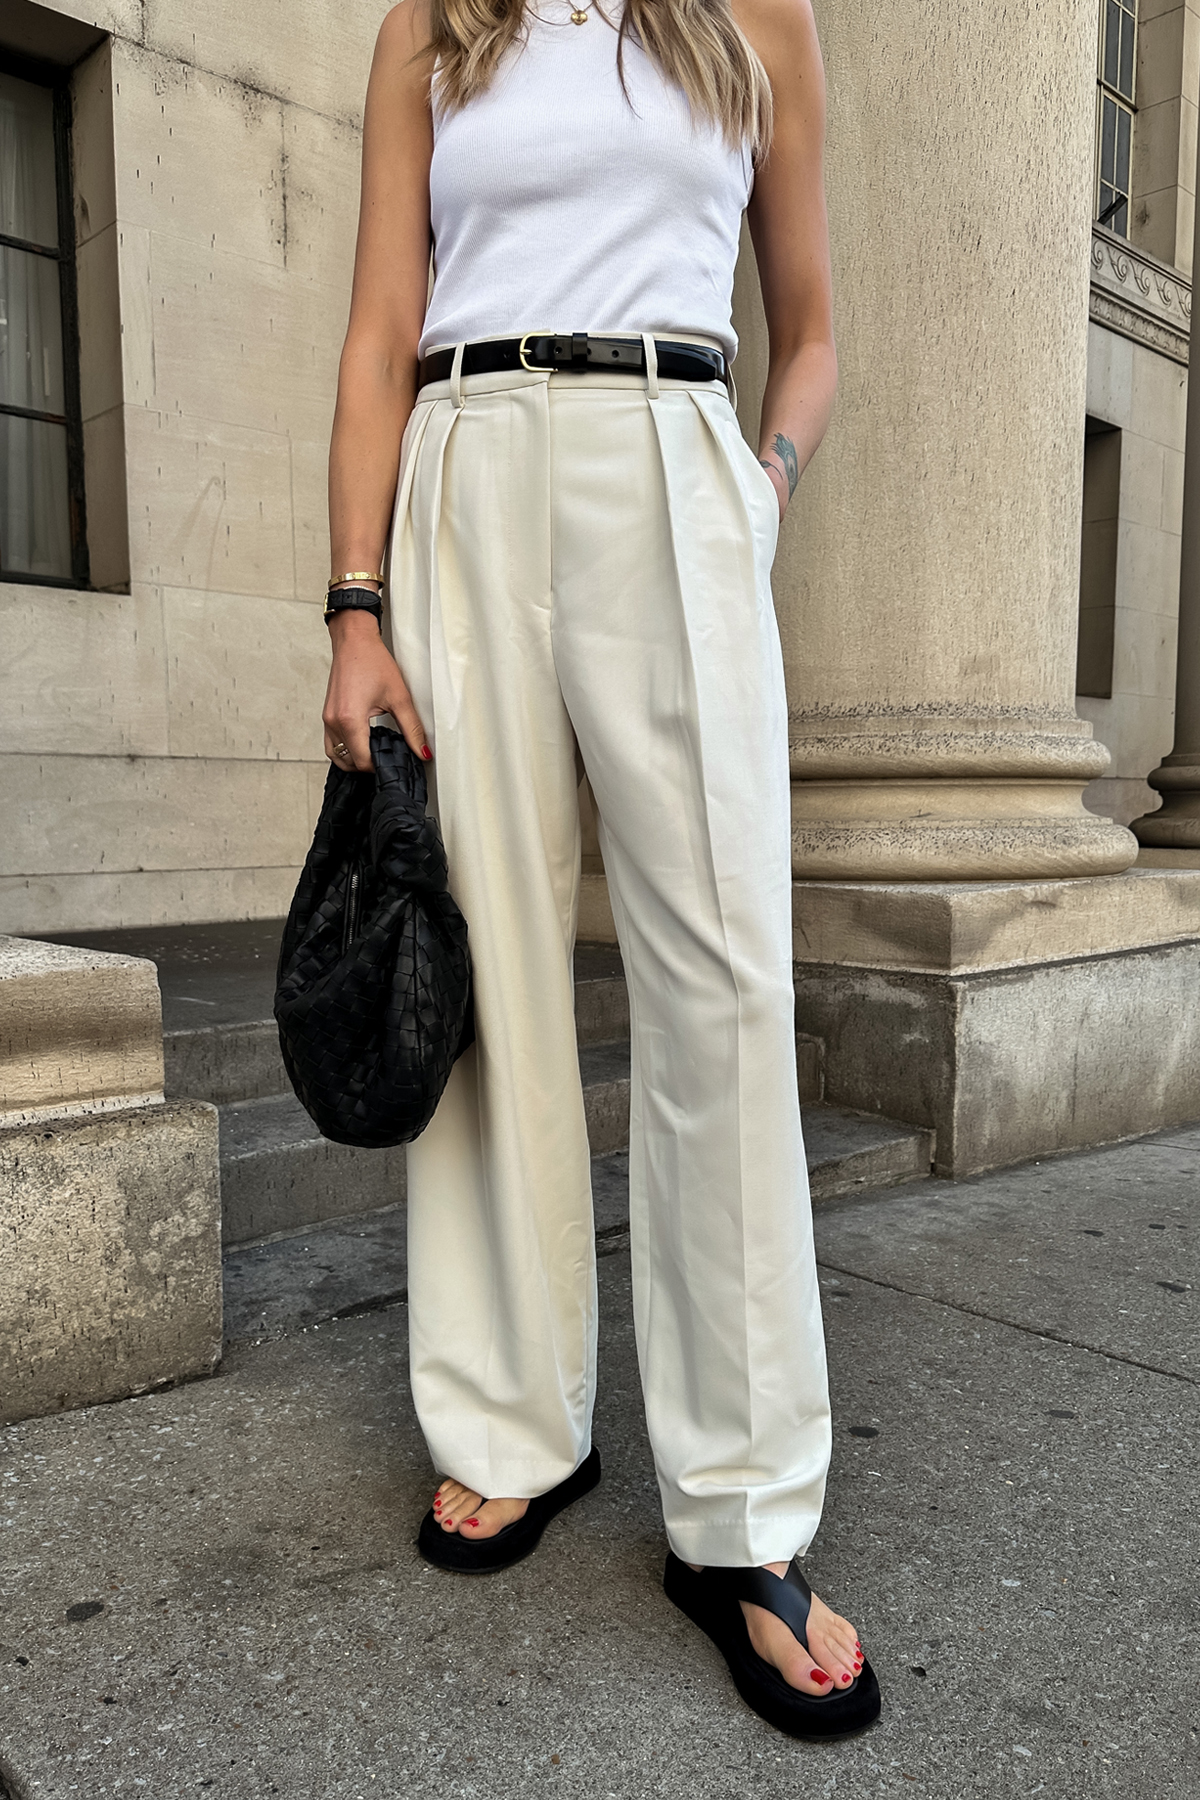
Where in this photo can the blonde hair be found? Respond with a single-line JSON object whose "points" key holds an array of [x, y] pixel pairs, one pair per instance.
{"points": [[697, 44]]}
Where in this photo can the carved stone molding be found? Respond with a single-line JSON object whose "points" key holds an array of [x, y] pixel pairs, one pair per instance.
{"points": [[1138, 296]]}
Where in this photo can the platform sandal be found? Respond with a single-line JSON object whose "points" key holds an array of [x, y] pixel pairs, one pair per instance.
{"points": [[486, 1556], [711, 1600]]}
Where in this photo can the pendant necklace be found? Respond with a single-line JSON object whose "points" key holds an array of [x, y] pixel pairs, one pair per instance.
{"points": [[579, 16]]}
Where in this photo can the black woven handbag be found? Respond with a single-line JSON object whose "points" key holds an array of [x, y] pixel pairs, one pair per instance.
{"points": [[373, 994]]}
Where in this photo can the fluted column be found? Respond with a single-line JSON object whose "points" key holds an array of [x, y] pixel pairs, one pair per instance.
{"points": [[1176, 825], [927, 577]]}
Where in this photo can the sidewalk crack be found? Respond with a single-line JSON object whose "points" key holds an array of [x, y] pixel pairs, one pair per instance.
{"points": [[1041, 1331]]}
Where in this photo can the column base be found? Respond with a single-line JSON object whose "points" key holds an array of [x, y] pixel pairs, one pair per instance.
{"points": [[1013, 1019], [951, 830], [1176, 824]]}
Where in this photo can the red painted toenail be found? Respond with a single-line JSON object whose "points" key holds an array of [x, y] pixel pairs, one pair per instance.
{"points": [[819, 1676], [472, 1521], [846, 1677]]}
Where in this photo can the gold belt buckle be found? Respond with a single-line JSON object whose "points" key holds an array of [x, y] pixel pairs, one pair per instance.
{"points": [[531, 368]]}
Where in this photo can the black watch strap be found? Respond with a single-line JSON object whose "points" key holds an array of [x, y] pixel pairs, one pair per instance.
{"points": [[354, 599]]}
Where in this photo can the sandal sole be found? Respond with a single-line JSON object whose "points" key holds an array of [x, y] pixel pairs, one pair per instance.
{"points": [[807, 1716], [434, 1543]]}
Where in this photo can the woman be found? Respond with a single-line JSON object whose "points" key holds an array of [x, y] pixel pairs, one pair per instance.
{"points": [[580, 553]]}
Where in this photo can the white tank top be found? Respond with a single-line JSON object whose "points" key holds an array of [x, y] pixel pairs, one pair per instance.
{"points": [[558, 206]]}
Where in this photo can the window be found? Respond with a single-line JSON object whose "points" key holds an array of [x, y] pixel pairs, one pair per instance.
{"points": [[1098, 562], [41, 462], [1115, 111]]}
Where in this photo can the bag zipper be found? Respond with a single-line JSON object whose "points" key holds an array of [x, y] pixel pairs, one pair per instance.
{"points": [[350, 915]]}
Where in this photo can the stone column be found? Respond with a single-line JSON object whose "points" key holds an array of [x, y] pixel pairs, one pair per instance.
{"points": [[927, 576], [1176, 825]]}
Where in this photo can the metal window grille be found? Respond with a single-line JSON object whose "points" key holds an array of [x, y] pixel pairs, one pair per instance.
{"points": [[42, 523], [1115, 112]]}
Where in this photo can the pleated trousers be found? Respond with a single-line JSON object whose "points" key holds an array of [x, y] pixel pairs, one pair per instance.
{"points": [[580, 572]]}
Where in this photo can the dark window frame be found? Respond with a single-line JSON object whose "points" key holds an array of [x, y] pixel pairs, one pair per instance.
{"points": [[58, 80], [1112, 204]]}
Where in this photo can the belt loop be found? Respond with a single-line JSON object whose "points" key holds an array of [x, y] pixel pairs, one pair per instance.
{"points": [[731, 385], [651, 352], [456, 393]]}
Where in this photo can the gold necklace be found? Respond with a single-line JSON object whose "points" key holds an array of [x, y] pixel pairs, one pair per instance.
{"points": [[580, 14]]}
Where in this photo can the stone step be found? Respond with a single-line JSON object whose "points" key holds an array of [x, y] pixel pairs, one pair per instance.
{"points": [[218, 984], [278, 1175], [240, 1060], [224, 1063], [357, 1265], [848, 1151]]}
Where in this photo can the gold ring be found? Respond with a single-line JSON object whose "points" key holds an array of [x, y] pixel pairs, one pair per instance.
{"points": [[340, 750]]}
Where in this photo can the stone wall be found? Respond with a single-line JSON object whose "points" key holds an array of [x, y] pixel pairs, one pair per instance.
{"points": [[160, 742], [1143, 395], [1164, 144]]}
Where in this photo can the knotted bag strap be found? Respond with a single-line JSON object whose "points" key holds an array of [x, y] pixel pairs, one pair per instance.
{"points": [[788, 1596]]}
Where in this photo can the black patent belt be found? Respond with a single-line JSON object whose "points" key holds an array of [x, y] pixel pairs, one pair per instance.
{"points": [[576, 352]]}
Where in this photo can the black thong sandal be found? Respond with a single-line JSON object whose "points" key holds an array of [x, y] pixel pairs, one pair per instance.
{"points": [[711, 1600], [485, 1556]]}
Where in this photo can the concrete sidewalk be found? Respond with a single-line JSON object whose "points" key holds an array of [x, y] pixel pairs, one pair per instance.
{"points": [[214, 1590]]}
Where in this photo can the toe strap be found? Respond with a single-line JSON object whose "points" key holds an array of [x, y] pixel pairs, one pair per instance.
{"points": [[788, 1596]]}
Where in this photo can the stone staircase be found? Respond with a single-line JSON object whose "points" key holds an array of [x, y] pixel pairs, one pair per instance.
{"points": [[280, 1180], [278, 1174]]}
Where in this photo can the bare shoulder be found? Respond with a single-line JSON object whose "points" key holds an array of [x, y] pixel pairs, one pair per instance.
{"points": [[784, 33], [403, 42]]}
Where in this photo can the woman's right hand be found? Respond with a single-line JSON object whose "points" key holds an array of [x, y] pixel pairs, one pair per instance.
{"points": [[364, 680]]}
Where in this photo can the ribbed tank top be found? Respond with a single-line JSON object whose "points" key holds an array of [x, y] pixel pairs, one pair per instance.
{"points": [[558, 206]]}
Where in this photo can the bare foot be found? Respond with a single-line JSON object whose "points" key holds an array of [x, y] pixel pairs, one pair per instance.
{"points": [[836, 1652], [461, 1509]]}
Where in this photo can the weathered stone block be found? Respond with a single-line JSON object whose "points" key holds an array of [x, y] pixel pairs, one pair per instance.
{"points": [[92, 901], [243, 342], [323, 157], [318, 55], [596, 924], [79, 1030], [223, 652], [110, 1278], [95, 659], [174, 814], [810, 1068], [210, 504], [1014, 1018], [198, 155], [1006, 1064], [953, 927]]}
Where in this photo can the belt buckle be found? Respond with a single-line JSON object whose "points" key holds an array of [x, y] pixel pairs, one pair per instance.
{"points": [[530, 368]]}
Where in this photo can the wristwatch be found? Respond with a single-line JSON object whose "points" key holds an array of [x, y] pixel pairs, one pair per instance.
{"points": [[354, 599]]}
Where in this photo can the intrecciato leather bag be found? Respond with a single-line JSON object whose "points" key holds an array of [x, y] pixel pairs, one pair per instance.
{"points": [[373, 994]]}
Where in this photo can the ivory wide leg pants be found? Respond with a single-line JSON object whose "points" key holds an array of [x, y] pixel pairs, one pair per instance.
{"points": [[581, 564]]}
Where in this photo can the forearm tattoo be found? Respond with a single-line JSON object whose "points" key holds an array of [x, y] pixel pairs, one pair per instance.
{"points": [[785, 450]]}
